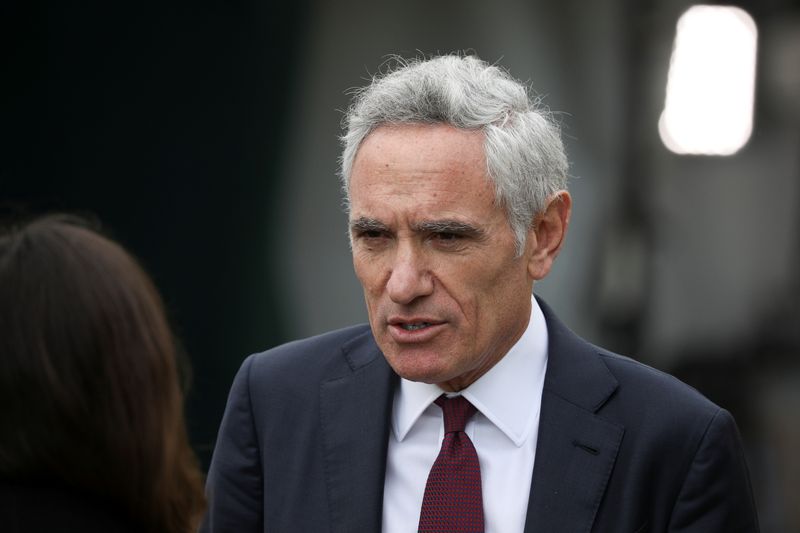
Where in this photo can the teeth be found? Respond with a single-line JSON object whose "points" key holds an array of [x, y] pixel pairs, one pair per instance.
{"points": [[412, 327]]}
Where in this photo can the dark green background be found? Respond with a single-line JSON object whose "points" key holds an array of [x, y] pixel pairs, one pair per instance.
{"points": [[163, 120]]}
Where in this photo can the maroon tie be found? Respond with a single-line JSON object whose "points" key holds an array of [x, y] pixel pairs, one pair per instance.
{"points": [[453, 500]]}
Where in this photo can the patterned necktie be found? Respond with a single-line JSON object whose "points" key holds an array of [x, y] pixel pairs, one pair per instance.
{"points": [[453, 501]]}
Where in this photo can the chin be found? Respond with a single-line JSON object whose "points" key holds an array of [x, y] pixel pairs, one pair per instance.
{"points": [[415, 369]]}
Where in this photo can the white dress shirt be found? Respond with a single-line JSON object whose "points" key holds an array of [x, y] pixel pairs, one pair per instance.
{"points": [[504, 431]]}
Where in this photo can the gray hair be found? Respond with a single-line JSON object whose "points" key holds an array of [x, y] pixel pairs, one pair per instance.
{"points": [[524, 154]]}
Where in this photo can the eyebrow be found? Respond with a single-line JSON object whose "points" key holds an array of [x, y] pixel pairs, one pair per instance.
{"points": [[450, 226], [363, 224], [456, 227]]}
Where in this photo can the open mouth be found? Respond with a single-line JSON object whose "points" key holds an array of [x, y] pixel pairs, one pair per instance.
{"points": [[413, 326], [414, 329]]}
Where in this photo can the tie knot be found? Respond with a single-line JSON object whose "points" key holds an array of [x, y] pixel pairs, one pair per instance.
{"points": [[456, 410]]}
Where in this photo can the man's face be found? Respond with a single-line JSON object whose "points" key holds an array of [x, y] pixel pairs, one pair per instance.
{"points": [[446, 296]]}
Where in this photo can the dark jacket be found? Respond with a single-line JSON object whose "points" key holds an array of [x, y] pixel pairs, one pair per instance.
{"points": [[621, 447]]}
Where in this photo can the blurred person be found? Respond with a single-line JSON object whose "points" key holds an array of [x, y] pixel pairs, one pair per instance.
{"points": [[465, 404], [92, 431]]}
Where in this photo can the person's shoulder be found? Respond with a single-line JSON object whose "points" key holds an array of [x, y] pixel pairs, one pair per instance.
{"points": [[349, 346], [631, 371], [338, 340], [652, 396], [330, 339], [634, 384]]}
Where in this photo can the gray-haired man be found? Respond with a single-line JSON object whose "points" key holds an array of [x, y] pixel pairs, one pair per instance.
{"points": [[457, 201]]}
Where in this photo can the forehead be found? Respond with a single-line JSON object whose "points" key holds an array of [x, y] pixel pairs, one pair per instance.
{"points": [[423, 166]]}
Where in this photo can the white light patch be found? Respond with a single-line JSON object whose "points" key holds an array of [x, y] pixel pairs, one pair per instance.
{"points": [[709, 104]]}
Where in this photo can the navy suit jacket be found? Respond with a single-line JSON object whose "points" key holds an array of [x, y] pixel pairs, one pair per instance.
{"points": [[621, 448]]}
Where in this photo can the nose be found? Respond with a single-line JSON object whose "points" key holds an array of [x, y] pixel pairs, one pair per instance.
{"points": [[409, 278]]}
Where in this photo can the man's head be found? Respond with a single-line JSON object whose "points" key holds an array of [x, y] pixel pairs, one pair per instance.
{"points": [[524, 154], [456, 203]]}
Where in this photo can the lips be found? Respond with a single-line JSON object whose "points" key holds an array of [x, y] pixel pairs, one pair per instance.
{"points": [[414, 329]]}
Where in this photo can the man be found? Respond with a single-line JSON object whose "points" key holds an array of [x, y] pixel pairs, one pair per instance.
{"points": [[455, 183]]}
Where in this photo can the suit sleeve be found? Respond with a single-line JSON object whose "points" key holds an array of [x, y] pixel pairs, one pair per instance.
{"points": [[234, 483], [716, 496]]}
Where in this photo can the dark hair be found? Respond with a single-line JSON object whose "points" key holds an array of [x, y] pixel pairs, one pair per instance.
{"points": [[89, 390]]}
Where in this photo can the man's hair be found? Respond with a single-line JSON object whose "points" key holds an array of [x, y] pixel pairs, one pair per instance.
{"points": [[524, 154]]}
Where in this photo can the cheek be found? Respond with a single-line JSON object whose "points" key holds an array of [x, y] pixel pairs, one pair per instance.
{"points": [[370, 274], [467, 298], [493, 292]]}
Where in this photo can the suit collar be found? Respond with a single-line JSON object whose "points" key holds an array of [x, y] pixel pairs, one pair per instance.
{"points": [[355, 417], [574, 372], [576, 449]]}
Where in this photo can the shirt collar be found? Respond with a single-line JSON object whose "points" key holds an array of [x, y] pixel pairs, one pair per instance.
{"points": [[521, 370]]}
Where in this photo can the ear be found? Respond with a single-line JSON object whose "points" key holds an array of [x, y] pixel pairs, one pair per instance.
{"points": [[547, 234]]}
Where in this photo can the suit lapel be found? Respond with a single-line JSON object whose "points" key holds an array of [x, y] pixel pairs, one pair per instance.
{"points": [[576, 449], [575, 453], [355, 417]]}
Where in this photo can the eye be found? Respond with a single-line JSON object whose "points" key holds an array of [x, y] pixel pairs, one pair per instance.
{"points": [[371, 239], [448, 240], [372, 234]]}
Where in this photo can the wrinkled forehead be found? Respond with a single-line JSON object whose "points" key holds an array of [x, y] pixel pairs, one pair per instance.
{"points": [[411, 149], [422, 171]]}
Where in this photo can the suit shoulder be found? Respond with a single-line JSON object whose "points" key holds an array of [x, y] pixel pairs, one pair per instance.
{"points": [[312, 354], [592, 377], [331, 339], [656, 388]]}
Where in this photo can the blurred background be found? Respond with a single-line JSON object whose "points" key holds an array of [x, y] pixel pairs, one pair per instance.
{"points": [[204, 136]]}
